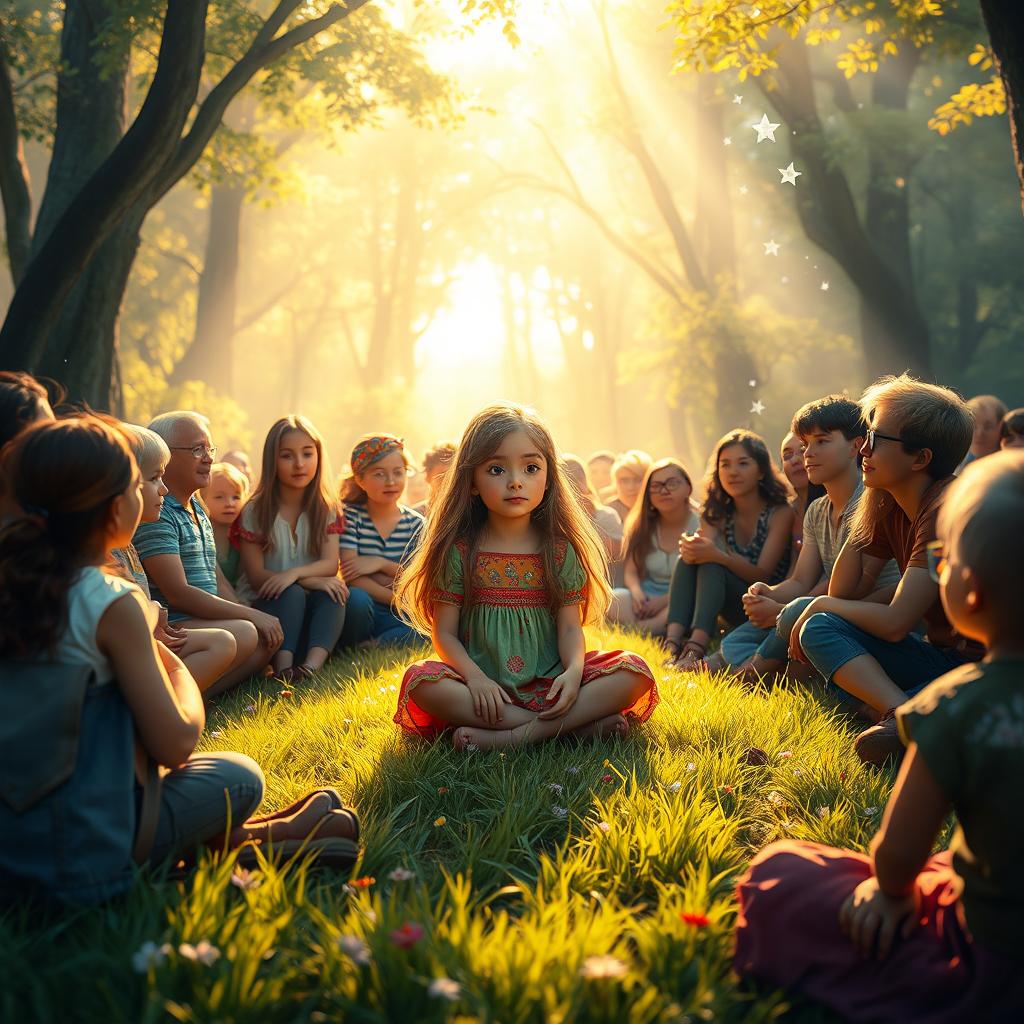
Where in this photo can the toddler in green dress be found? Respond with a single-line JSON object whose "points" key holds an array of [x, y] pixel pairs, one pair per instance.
{"points": [[509, 571]]}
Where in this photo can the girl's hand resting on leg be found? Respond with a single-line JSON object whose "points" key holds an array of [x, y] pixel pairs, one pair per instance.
{"points": [[488, 698], [869, 915], [565, 688], [276, 584], [333, 586]]}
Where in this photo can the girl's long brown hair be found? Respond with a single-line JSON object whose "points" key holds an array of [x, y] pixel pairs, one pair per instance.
{"points": [[65, 475], [318, 502], [638, 530], [458, 515], [772, 487]]}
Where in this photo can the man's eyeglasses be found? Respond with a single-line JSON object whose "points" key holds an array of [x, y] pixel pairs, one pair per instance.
{"points": [[668, 486], [936, 552], [197, 450], [874, 437]]}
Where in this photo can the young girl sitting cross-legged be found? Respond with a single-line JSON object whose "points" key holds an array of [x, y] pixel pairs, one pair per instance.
{"points": [[508, 572]]}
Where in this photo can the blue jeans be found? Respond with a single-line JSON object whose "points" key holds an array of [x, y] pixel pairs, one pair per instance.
{"points": [[829, 642], [367, 619], [296, 607], [197, 799], [743, 643]]}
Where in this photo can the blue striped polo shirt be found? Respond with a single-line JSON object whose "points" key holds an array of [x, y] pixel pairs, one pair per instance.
{"points": [[176, 533], [361, 536]]}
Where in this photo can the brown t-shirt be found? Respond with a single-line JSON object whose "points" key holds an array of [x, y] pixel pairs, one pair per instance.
{"points": [[906, 540]]}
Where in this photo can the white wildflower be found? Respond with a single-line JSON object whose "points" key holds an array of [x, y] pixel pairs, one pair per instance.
{"points": [[148, 955], [354, 948], [603, 967], [203, 952], [445, 988]]}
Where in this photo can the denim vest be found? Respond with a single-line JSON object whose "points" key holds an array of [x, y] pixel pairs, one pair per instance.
{"points": [[67, 784]]}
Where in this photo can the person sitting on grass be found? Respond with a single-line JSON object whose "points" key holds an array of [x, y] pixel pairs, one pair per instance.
{"points": [[69, 837], [599, 469], [206, 653], [663, 513], [917, 435], [23, 400], [179, 554], [380, 536], [831, 434], [224, 498], [1011, 430], [988, 412], [436, 461], [628, 473], [902, 934], [288, 533], [744, 537], [509, 571], [606, 520]]}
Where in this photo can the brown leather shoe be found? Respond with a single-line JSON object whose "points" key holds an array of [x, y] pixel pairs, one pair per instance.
{"points": [[881, 742]]}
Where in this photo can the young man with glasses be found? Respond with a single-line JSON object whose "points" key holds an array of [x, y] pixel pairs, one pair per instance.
{"points": [[917, 435], [179, 554]]}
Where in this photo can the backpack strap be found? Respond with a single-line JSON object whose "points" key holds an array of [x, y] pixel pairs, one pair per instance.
{"points": [[149, 815]]}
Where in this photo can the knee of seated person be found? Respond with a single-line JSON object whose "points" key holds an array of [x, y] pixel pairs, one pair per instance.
{"points": [[247, 637], [359, 606], [788, 616], [223, 642], [245, 783], [819, 628]]}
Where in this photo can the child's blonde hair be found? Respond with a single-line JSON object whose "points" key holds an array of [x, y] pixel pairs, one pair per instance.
{"points": [[636, 460], [980, 518], [148, 447], [459, 515], [927, 416], [231, 473]]}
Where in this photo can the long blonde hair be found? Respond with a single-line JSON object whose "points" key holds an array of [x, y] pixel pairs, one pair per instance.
{"points": [[318, 503], [460, 516]]}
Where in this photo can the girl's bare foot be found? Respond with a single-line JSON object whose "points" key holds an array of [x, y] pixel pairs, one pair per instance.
{"points": [[610, 725], [468, 737]]}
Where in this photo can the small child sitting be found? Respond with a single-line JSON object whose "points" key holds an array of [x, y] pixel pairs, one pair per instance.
{"points": [[903, 935], [224, 497]]}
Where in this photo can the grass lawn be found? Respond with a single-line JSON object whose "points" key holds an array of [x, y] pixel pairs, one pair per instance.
{"points": [[524, 865]]}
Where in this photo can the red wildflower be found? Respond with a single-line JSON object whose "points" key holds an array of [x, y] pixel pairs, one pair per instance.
{"points": [[362, 883], [606, 778], [408, 935], [696, 920]]}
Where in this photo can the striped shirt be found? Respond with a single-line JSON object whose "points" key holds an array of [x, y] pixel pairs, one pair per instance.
{"points": [[176, 533], [362, 537]]}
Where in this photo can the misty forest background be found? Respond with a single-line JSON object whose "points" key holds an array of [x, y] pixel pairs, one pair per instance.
{"points": [[387, 214]]}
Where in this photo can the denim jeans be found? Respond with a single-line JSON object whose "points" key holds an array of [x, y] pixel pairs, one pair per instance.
{"points": [[296, 607], [743, 643], [829, 642], [700, 593], [367, 619], [198, 799]]}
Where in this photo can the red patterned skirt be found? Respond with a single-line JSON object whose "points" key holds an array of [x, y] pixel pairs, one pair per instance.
{"points": [[412, 718], [788, 936]]}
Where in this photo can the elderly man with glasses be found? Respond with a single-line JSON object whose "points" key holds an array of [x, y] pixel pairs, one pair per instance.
{"points": [[179, 554]]}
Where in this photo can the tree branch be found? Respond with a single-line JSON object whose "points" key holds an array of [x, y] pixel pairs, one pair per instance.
{"points": [[14, 179]]}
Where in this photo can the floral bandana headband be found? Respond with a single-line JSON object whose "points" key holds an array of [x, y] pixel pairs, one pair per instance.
{"points": [[373, 449]]}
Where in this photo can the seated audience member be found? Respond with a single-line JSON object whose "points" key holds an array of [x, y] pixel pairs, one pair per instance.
{"points": [[237, 458], [831, 434], [659, 519], [917, 435], [224, 497], [1011, 430], [380, 536], [902, 934], [745, 537], [988, 412], [599, 469], [628, 473], [115, 698], [435, 464], [289, 542], [23, 401], [206, 653], [605, 519], [792, 462], [179, 554]]}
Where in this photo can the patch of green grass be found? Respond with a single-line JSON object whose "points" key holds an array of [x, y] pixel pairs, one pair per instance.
{"points": [[526, 863]]}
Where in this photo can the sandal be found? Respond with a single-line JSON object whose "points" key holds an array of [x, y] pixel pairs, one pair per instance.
{"points": [[691, 656], [671, 652]]}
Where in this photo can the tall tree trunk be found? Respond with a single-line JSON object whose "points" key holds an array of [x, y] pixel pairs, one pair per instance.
{"points": [[1006, 33], [895, 335], [209, 357], [14, 179]]}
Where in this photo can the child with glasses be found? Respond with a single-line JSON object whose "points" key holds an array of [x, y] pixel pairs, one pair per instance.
{"points": [[901, 934], [653, 529], [380, 535], [917, 435]]}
